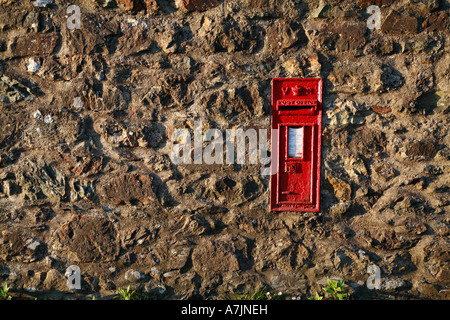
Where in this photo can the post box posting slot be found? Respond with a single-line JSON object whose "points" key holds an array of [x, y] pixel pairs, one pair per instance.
{"points": [[297, 117]]}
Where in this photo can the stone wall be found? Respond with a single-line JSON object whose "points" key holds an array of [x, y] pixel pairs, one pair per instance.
{"points": [[87, 118]]}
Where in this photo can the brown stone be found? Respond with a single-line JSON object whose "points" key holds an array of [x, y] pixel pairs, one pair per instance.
{"points": [[356, 77], [128, 188], [367, 140], [280, 254], [223, 35], [284, 34], [419, 150], [131, 5], [341, 189], [152, 6], [101, 106], [197, 5], [34, 44], [343, 36], [105, 3], [396, 23], [132, 134], [11, 244], [89, 165], [18, 246], [437, 21], [88, 238], [382, 109], [388, 239], [191, 225], [134, 39], [221, 255], [91, 38], [39, 180], [435, 259]]}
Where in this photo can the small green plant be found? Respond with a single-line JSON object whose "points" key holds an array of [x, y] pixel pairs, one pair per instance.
{"points": [[126, 294], [335, 290], [4, 292], [261, 293], [317, 297]]}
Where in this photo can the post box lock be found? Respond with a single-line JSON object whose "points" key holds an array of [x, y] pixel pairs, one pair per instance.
{"points": [[296, 148], [292, 167]]}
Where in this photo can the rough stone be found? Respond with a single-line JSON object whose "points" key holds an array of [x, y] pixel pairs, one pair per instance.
{"points": [[88, 238], [221, 255], [343, 36], [393, 284], [92, 38], [283, 35], [280, 254], [389, 239], [356, 77], [344, 114], [437, 21], [396, 23], [131, 134], [105, 3], [226, 36], [341, 189], [191, 225], [419, 150], [196, 5], [340, 208], [135, 38], [18, 246], [13, 91], [128, 188], [38, 179], [37, 44], [131, 5]]}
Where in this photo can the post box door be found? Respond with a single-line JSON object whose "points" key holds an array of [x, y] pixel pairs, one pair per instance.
{"points": [[296, 165]]}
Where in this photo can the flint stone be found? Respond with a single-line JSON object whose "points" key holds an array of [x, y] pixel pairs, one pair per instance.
{"points": [[393, 284]]}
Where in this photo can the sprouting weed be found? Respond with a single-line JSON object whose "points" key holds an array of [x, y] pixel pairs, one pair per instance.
{"points": [[335, 290], [4, 292], [126, 294]]}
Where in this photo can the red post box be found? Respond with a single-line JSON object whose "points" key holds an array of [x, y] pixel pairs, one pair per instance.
{"points": [[296, 146]]}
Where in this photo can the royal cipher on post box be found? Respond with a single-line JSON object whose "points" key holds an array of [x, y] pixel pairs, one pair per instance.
{"points": [[296, 144]]}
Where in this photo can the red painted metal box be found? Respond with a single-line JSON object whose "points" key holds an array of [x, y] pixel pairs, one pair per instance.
{"points": [[296, 144]]}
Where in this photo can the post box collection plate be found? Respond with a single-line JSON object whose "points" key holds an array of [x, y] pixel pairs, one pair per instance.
{"points": [[296, 144]]}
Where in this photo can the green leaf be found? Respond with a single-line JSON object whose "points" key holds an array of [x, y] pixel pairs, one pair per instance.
{"points": [[328, 290], [330, 283]]}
